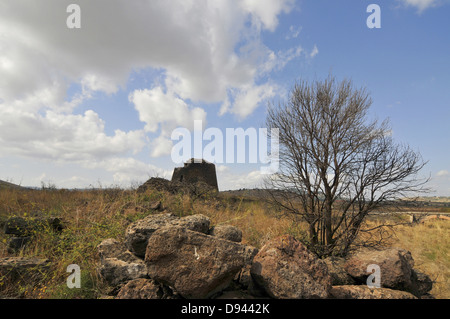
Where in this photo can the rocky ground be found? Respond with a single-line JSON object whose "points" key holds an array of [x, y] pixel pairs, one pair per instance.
{"points": [[184, 258], [164, 256]]}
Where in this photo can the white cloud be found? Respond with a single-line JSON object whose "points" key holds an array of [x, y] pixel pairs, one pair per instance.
{"points": [[129, 170], [277, 61], [164, 111], [71, 182], [423, 5], [160, 146], [443, 173], [228, 180], [294, 32], [62, 137], [266, 14], [248, 99], [198, 45], [248, 96], [206, 50], [439, 184], [222, 168], [314, 52], [93, 82], [156, 107]]}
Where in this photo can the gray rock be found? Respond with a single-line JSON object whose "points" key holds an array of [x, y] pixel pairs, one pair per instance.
{"points": [[227, 232], [156, 205], [246, 282], [22, 227], [16, 226], [143, 288], [199, 223], [285, 269], [112, 248], [337, 272], [395, 267], [117, 264], [138, 233], [19, 264], [116, 272], [15, 244], [422, 283], [396, 270], [22, 270], [196, 265], [364, 292]]}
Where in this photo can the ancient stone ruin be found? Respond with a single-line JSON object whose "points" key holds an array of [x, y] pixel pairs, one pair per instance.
{"points": [[196, 178], [194, 171]]}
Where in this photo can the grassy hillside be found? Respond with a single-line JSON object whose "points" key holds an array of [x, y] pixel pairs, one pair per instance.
{"points": [[4, 185], [94, 215]]}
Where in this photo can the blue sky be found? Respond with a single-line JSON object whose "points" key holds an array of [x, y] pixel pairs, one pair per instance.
{"points": [[97, 105]]}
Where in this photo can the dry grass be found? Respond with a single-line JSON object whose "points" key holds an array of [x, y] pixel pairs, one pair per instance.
{"points": [[94, 215], [258, 222], [89, 217], [429, 244]]}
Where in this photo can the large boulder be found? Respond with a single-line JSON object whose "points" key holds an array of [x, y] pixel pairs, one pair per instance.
{"points": [[16, 226], [285, 269], [227, 232], [365, 292], [199, 223], [396, 267], [22, 266], [117, 264], [112, 248], [116, 272], [143, 288], [22, 227], [22, 270], [337, 272], [246, 282], [15, 244], [196, 265], [422, 283], [138, 233]]}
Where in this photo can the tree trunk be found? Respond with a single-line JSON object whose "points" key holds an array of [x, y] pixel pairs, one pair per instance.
{"points": [[328, 225]]}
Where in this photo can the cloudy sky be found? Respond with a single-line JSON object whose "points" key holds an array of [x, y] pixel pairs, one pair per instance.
{"points": [[96, 105]]}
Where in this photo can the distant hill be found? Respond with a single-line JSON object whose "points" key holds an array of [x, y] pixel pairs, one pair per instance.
{"points": [[258, 194], [249, 193], [433, 199], [4, 184]]}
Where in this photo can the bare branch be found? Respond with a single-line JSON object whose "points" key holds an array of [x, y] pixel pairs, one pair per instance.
{"points": [[336, 166]]}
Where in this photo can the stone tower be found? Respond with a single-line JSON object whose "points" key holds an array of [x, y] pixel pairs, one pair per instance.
{"points": [[195, 170]]}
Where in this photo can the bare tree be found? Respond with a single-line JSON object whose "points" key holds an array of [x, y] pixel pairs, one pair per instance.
{"points": [[336, 166]]}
